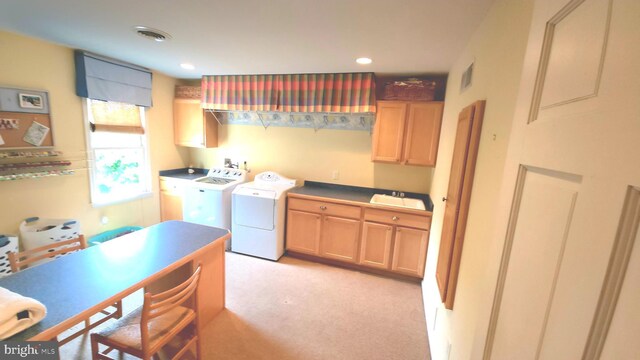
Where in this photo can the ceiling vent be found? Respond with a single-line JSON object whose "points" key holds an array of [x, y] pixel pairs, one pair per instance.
{"points": [[151, 33]]}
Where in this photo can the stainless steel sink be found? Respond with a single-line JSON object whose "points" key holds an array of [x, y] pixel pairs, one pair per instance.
{"points": [[408, 203]]}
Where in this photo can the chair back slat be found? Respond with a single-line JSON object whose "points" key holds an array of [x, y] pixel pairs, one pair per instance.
{"points": [[21, 259], [178, 298], [159, 304]]}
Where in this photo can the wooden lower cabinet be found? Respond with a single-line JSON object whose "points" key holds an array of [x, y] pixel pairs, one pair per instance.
{"points": [[367, 237], [410, 251], [170, 206], [303, 232], [375, 248], [170, 199], [340, 238]]}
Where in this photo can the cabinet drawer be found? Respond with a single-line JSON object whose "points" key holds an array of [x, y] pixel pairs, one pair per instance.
{"points": [[322, 207], [398, 218], [171, 185]]}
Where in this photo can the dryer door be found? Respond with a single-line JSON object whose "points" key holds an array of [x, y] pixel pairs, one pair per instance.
{"points": [[254, 208]]}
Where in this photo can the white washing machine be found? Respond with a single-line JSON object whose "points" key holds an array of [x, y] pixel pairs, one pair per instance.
{"points": [[207, 200], [258, 215]]}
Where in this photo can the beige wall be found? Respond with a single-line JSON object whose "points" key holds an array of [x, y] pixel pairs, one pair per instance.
{"points": [[29, 63], [304, 154], [497, 47]]}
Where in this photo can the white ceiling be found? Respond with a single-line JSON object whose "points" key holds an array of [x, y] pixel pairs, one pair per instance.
{"points": [[258, 36]]}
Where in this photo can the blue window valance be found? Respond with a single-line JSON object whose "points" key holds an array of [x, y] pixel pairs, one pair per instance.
{"points": [[102, 78]]}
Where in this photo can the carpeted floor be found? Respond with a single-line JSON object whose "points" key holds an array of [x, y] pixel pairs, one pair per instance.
{"points": [[295, 309]]}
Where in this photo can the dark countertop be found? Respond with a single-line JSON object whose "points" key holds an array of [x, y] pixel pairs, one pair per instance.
{"points": [[184, 173], [352, 193], [79, 281]]}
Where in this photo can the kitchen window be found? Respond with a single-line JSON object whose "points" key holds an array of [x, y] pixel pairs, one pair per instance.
{"points": [[117, 152]]}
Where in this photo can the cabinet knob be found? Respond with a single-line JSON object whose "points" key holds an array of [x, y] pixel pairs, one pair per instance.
{"points": [[444, 198], [395, 218], [322, 207]]}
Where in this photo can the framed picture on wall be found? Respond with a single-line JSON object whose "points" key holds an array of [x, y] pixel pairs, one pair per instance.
{"points": [[30, 101]]}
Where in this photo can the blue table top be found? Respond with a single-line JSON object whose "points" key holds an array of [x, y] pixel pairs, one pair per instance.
{"points": [[79, 281]]}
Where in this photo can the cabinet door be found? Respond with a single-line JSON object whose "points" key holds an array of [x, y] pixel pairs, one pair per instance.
{"points": [[410, 251], [303, 232], [188, 123], [375, 247], [340, 238], [388, 132], [423, 133], [170, 206], [193, 127]]}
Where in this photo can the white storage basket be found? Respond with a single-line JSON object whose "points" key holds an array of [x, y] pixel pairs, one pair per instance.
{"points": [[36, 232], [8, 243]]}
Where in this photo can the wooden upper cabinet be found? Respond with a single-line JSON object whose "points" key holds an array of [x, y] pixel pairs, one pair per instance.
{"points": [[423, 133], [192, 125], [407, 132], [388, 133]]}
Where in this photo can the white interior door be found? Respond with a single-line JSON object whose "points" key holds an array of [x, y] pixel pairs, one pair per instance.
{"points": [[569, 282]]}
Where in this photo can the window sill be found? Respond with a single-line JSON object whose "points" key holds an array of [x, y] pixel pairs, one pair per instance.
{"points": [[119, 201]]}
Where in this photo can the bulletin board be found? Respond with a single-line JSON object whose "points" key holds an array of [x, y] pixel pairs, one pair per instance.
{"points": [[25, 121]]}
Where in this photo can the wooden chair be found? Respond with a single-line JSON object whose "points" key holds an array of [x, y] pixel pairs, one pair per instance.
{"points": [[148, 329], [21, 260]]}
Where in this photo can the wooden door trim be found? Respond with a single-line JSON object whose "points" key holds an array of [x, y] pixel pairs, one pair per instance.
{"points": [[465, 200]]}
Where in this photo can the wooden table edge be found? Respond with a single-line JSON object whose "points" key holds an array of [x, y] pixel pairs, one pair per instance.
{"points": [[56, 330]]}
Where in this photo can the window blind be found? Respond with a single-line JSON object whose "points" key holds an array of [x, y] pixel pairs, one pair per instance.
{"points": [[115, 117], [105, 79]]}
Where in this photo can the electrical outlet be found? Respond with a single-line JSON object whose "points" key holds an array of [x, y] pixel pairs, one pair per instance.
{"points": [[335, 175], [227, 162]]}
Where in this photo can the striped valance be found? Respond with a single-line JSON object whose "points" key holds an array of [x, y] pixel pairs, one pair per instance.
{"points": [[346, 93], [241, 92]]}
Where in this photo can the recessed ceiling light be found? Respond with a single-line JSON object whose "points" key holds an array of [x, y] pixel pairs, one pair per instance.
{"points": [[187, 66], [364, 61], [151, 33]]}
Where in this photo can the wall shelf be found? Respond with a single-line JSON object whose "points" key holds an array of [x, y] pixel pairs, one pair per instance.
{"points": [[35, 175], [28, 154], [11, 168]]}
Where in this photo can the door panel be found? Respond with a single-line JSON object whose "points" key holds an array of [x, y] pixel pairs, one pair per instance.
{"points": [[545, 211], [577, 113], [622, 329], [340, 238], [303, 232]]}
